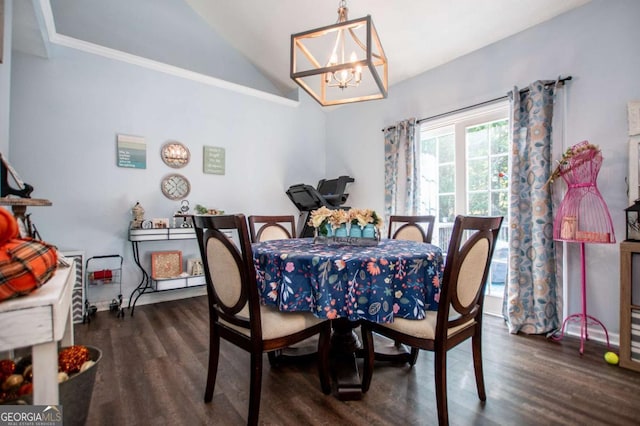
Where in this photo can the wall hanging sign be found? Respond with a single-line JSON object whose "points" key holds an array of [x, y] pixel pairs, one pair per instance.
{"points": [[213, 160], [175, 186], [132, 152], [174, 154]]}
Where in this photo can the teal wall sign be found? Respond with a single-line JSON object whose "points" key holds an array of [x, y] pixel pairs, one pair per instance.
{"points": [[132, 152]]}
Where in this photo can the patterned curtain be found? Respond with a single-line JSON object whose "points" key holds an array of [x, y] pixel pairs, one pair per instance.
{"points": [[401, 169], [531, 293]]}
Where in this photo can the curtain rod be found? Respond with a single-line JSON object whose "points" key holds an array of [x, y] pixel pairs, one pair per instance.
{"points": [[560, 81]]}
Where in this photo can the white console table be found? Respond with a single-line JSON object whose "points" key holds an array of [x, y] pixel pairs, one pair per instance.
{"points": [[41, 320], [147, 283]]}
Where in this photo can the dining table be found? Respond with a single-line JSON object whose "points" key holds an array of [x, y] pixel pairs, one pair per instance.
{"points": [[348, 282]]}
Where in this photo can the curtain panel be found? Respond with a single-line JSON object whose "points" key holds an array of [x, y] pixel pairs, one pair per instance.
{"points": [[531, 294], [401, 169]]}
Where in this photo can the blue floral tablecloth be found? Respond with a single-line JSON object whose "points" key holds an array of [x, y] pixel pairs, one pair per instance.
{"points": [[393, 279]]}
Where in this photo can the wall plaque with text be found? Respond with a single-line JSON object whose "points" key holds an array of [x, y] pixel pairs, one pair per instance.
{"points": [[132, 152], [213, 160]]}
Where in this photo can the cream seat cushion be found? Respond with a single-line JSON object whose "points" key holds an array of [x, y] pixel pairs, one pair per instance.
{"points": [[277, 324], [410, 233], [424, 328], [273, 233]]}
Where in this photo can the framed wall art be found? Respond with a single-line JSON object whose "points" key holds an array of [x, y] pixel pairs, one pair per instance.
{"points": [[132, 152], [175, 186], [174, 154], [213, 160], [166, 264]]}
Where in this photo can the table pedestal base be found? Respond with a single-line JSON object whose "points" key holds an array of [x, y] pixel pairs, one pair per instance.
{"points": [[344, 344]]}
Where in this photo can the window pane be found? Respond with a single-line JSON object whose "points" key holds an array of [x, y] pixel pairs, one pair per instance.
{"points": [[447, 209], [499, 203], [477, 141], [478, 174], [447, 177], [500, 137], [429, 146], [499, 172], [479, 203], [447, 148]]}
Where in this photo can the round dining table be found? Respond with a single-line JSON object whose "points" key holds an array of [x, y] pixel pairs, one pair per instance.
{"points": [[394, 278], [348, 283]]}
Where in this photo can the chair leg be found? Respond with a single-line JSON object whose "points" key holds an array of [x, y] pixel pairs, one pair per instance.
{"points": [[369, 355], [214, 353], [476, 345], [414, 356], [255, 388], [274, 358], [324, 345], [441, 386]]}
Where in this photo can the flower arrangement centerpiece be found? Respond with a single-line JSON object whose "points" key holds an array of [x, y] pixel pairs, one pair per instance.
{"points": [[362, 223], [338, 220], [319, 219]]}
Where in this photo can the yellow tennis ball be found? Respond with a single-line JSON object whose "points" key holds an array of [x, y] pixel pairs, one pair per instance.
{"points": [[611, 358]]}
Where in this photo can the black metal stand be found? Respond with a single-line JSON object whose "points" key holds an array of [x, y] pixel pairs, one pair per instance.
{"points": [[145, 282]]}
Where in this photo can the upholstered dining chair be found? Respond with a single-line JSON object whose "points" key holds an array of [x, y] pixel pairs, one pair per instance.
{"points": [[459, 314], [235, 311], [414, 228], [271, 228]]}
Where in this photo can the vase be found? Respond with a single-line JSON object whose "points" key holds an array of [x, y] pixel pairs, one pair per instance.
{"points": [[341, 231], [328, 230], [369, 231], [355, 231]]}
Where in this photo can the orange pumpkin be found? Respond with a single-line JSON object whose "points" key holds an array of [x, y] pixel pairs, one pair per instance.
{"points": [[8, 226], [25, 264]]}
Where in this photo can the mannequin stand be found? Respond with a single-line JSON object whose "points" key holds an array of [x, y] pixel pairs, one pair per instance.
{"points": [[584, 319]]}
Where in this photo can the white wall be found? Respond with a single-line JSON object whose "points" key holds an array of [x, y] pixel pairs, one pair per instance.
{"points": [[597, 44], [5, 79], [168, 31], [67, 110]]}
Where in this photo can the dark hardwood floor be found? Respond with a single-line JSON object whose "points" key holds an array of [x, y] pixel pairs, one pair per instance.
{"points": [[153, 372]]}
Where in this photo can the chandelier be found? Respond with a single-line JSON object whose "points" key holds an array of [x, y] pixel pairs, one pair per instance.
{"points": [[340, 63]]}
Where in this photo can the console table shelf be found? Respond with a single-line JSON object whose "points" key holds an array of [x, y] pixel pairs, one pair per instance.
{"points": [[629, 311], [149, 284]]}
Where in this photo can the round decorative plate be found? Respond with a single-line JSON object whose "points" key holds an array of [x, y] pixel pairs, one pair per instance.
{"points": [[174, 154], [175, 186]]}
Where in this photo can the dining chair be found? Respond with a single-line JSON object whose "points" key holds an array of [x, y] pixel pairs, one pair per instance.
{"points": [[413, 228], [271, 228], [235, 311], [459, 314]]}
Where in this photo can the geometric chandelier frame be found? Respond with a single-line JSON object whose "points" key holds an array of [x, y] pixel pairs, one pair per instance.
{"points": [[340, 63]]}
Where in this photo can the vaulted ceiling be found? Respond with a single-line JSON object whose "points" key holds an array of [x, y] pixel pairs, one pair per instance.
{"points": [[417, 35]]}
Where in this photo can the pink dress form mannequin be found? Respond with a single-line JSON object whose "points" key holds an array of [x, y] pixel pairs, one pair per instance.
{"points": [[583, 217]]}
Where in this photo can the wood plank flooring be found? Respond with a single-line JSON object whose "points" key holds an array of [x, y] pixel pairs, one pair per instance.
{"points": [[153, 372]]}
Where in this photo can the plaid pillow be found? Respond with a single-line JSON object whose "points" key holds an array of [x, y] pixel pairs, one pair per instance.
{"points": [[25, 264]]}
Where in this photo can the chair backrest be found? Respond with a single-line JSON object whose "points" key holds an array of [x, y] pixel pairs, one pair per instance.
{"points": [[229, 272], [473, 240], [271, 228], [413, 228]]}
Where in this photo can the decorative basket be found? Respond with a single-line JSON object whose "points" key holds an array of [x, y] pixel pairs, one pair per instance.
{"points": [[75, 393]]}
